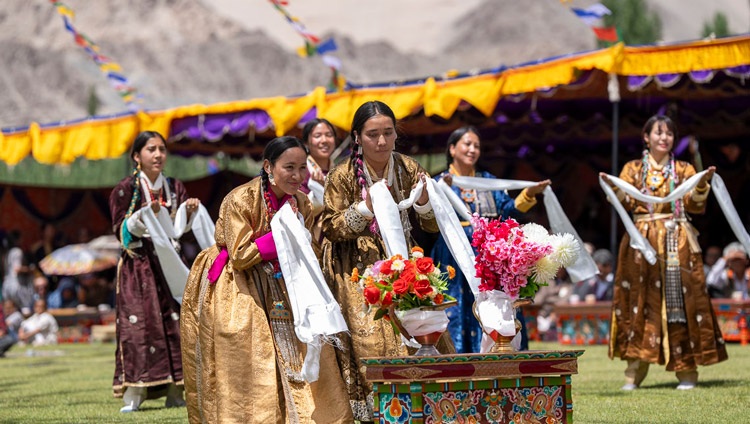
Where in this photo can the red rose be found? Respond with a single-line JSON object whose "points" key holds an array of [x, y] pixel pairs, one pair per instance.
{"points": [[400, 286], [387, 299], [422, 288], [385, 268], [409, 274], [372, 294], [425, 265]]}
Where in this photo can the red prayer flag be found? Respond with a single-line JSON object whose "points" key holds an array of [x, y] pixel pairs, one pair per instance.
{"points": [[606, 34]]}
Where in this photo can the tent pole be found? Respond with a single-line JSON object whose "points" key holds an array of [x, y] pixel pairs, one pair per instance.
{"points": [[613, 214]]}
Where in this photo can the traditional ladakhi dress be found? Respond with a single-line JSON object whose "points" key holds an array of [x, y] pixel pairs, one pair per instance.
{"points": [[349, 243], [241, 355], [464, 327], [148, 326], [661, 313]]}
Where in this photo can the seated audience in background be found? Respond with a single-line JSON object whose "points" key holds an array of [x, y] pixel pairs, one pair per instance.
{"points": [[65, 295], [599, 287], [547, 297], [17, 284], [39, 329], [710, 256], [41, 286], [7, 337], [94, 290], [50, 241], [730, 275]]}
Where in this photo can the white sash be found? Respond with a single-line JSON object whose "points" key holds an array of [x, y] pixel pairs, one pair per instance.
{"points": [[316, 193], [317, 314], [162, 232], [637, 241], [584, 267]]}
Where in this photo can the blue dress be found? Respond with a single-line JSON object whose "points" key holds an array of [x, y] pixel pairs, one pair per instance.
{"points": [[464, 327]]}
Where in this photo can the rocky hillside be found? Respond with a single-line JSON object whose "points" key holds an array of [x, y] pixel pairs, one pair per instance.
{"points": [[179, 52]]}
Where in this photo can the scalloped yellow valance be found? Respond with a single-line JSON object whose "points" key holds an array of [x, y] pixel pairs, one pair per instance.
{"points": [[100, 138]]}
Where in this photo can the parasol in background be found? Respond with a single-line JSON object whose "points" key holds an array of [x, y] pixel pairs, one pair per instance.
{"points": [[76, 259]]}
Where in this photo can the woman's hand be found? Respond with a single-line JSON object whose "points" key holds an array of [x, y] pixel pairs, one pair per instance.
{"points": [[448, 178], [424, 197], [706, 178], [605, 177], [538, 188], [156, 207], [191, 205], [317, 175]]}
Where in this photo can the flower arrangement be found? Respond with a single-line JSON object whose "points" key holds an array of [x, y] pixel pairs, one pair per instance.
{"points": [[519, 259], [404, 283]]}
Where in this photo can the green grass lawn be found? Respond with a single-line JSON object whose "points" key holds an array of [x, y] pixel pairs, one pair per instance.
{"points": [[72, 384]]}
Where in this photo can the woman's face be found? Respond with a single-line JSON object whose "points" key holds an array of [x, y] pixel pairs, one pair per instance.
{"points": [[289, 171], [378, 138], [321, 142], [660, 140], [466, 150], [152, 157]]}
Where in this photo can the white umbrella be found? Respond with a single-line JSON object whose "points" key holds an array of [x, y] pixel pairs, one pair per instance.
{"points": [[76, 259]]}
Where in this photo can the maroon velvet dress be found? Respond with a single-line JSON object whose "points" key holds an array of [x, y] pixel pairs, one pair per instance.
{"points": [[148, 326]]}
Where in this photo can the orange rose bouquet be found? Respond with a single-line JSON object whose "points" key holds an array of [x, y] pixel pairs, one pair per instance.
{"points": [[404, 283]]}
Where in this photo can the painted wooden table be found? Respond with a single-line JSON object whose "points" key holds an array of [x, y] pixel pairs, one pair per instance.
{"points": [[514, 387]]}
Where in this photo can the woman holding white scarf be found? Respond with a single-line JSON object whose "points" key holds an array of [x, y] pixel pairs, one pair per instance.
{"points": [[147, 358], [463, 151], [243, 359], [353, 238], [662, 313]]}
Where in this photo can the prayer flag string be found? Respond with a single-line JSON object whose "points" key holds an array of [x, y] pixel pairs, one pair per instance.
{"points": [[314, 46], [592, 16], [109, 68]]}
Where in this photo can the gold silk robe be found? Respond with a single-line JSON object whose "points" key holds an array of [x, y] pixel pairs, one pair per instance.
{"points": [[233, 365], [639, 320], [349, 243]]}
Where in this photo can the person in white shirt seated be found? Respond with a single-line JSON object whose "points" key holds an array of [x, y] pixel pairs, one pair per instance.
{"points": [[39, 329], [730, 275]]}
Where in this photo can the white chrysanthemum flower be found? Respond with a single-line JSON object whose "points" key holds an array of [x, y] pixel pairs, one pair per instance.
{"points": [[397, 265], [417, 254], [536, 233], [436, 272], [566, 249], [545, 269], [367, 272]]}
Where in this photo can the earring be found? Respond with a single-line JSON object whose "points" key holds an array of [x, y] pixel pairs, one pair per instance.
{"points": [[271, 180], [138, 167]]}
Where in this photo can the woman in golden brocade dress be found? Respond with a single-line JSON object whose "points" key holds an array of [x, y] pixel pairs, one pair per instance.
{"points": [[241, 357], [352, 238], [661, 313], [320, 138]]}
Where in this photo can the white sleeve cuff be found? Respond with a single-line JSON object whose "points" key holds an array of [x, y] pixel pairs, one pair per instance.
{"points": [[362, 209], [427, 207]]}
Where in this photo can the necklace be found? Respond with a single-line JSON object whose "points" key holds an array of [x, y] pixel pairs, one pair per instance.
{"points": [[467, 195], [655, 179]]}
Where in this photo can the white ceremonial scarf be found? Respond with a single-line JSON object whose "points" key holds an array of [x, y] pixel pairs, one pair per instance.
{"points": [[584, 267], [317, 314], [163, 232], [316, 193], [637, 241]]}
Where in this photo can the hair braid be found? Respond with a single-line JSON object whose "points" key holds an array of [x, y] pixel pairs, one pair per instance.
{"points": [[125, 236]]}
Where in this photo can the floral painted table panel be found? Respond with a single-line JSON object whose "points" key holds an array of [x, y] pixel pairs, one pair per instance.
{"points": [[513, 387]]}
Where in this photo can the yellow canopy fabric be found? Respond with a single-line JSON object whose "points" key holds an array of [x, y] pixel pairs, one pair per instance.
{"points": [[112, 137]]}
